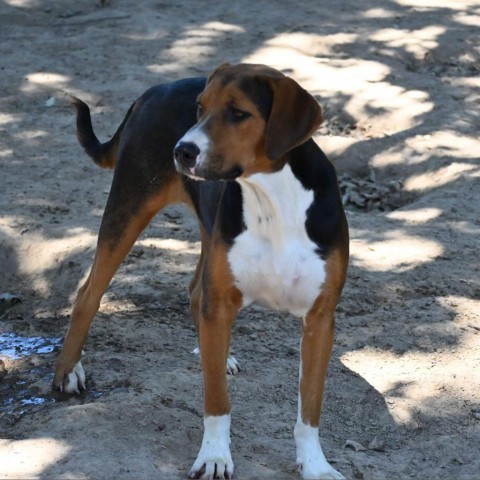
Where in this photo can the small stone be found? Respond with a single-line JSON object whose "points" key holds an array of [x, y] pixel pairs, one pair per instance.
{"points": [[358, 447], [377, 445], [3, 369]]}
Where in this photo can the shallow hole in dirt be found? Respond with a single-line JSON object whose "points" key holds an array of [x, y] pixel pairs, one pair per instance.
{"points": [[26, 374]]}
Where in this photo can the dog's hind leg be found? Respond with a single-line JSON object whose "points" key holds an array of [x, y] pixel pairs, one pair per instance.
{"points": [[122, 223]]}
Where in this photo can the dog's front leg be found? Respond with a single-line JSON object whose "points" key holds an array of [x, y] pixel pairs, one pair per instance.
{"points": [[317, 341], [214, 459], [219, 305]]}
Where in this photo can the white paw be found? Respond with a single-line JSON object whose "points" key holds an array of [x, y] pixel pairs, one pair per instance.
{"points": [[233, 367], [75, 380], [319, 472], [310, 458], [214, 459]]}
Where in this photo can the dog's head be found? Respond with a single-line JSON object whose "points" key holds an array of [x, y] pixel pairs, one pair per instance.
{"points": [[248, 118]]}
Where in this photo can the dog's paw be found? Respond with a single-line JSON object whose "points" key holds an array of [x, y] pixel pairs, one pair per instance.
{"points": [[72, 381], [316, 471], [211, 469], [310, 458], [214, 459], [233, 367]]}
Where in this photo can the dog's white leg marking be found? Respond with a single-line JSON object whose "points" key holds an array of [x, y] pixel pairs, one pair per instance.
{"points": [[233, 367], [310, 458], [214, 459], [75, 380]]}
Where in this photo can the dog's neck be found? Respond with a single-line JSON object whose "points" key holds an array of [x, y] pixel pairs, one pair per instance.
{"points": [[275, 204]]}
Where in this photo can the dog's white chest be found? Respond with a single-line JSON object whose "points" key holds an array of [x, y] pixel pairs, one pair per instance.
{"points": [[273, 261]]}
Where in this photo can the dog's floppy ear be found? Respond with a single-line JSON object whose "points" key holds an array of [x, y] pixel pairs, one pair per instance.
{"points": [[223, 66], [293, 119]]}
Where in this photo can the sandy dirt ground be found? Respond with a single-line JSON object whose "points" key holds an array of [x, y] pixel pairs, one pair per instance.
{"points": [[399, 83]]}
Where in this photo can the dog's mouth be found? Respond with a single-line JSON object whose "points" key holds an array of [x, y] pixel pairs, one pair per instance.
{"points": [[200, 173], [231, 174], [190, 173]]}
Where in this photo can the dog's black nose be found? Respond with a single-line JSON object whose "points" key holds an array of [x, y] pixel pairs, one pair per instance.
{"points": [[186, 153]]}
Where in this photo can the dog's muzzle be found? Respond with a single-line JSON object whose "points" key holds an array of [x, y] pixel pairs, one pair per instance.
{"points": [[187, 161], [185, 154]]}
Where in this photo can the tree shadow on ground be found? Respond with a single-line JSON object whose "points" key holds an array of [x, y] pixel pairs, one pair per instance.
{"points": [[421, 61]]}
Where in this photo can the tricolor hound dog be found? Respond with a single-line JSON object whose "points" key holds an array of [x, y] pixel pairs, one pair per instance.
{"points": [[271, 221]]}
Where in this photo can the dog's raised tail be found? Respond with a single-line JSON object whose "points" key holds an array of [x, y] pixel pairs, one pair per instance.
{"points": [[103, 154]]}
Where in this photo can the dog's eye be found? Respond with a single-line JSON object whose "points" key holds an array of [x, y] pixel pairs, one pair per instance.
{"points": [[237, 115]]}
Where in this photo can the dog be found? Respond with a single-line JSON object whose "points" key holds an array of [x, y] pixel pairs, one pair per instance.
{"points": [[236, 148]]}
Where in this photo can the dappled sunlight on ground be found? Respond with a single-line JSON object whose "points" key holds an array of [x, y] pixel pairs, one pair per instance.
{"points": [[195, 43], [467, 313], [29, 458], [22, 3], [396, 251], [423, 381], [421, 148], [380, 107], [443, 176], [398, 82], [468, 19], [416, 216], [450, 4], [418, 42], [171, 244], [38, 254], [39, 80]]}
